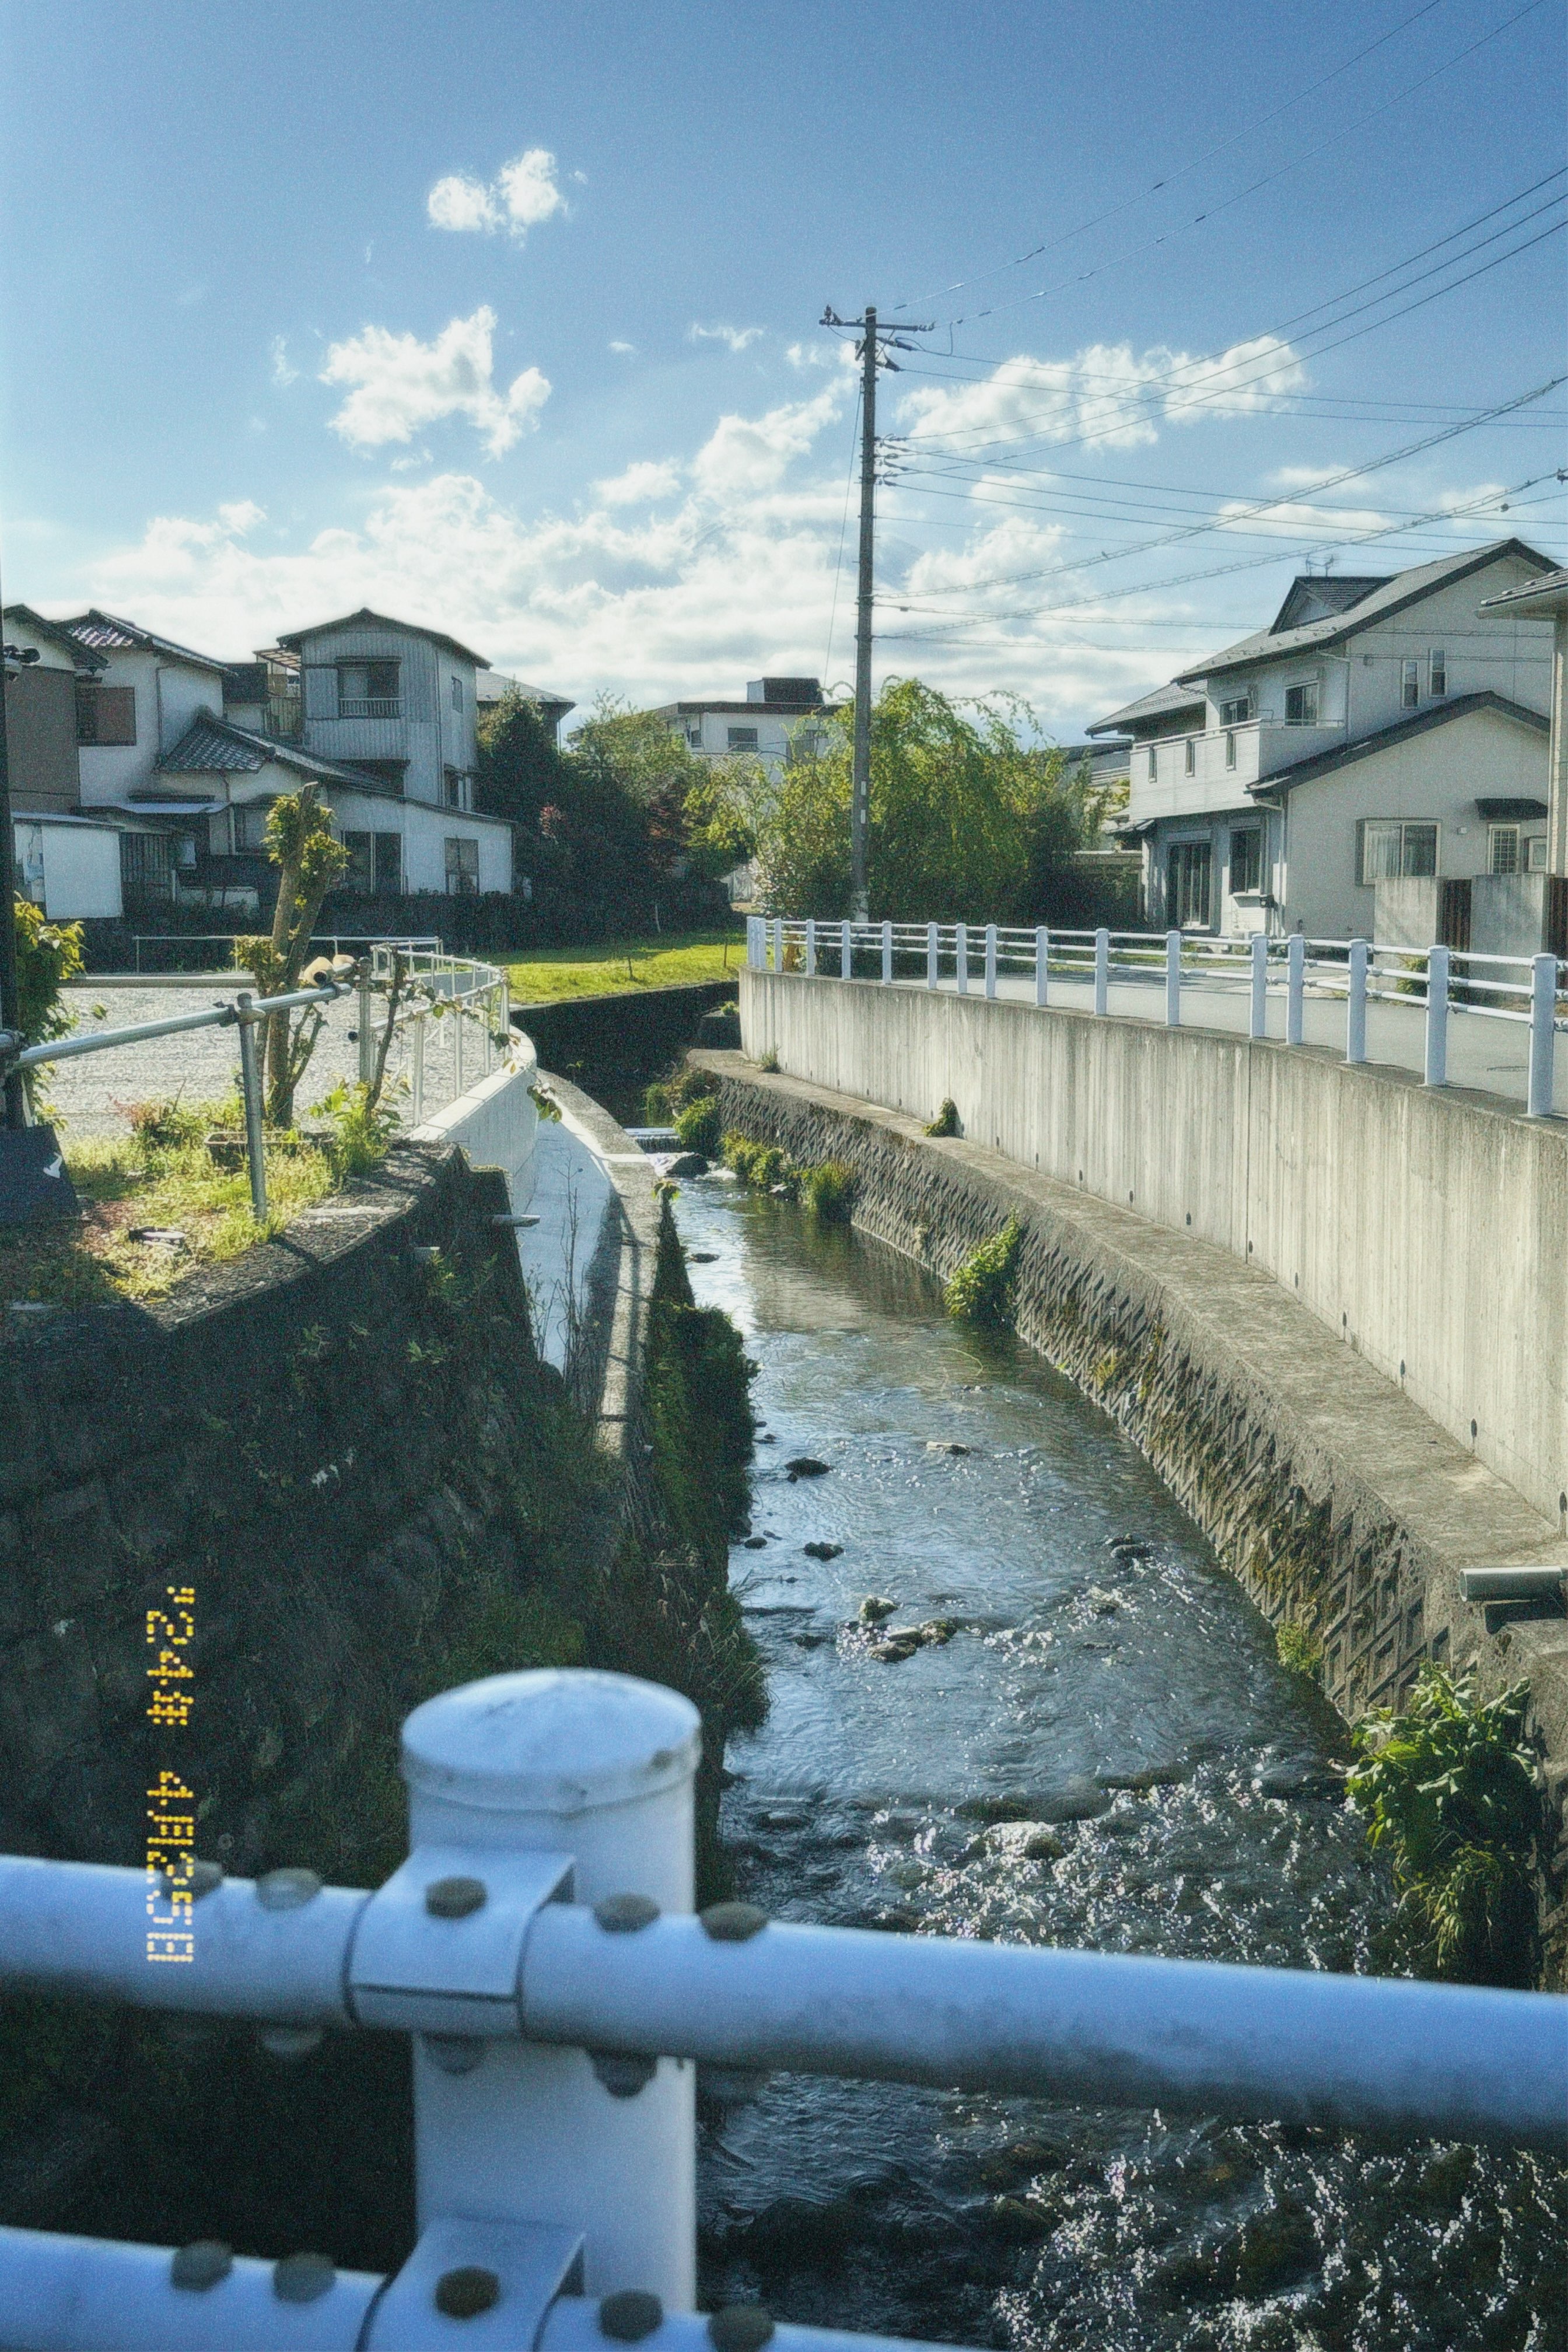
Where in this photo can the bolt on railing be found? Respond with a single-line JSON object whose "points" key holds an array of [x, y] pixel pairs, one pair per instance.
{"points": [[1200, 974], [539, 1945]]}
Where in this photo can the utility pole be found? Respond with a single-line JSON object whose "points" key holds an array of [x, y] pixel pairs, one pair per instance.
{"points": [[873, 354]]}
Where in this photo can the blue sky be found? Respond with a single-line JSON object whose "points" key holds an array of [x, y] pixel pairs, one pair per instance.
{"points": [[505, 317]]}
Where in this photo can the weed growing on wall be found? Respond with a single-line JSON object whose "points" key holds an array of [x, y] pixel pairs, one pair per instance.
{"points": [[984, 1290], [1299, 1650], [698, 1127], [1448, 1786], [946, 1121], [828, 1191]]}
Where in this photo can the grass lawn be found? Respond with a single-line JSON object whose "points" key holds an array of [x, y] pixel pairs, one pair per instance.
{"points": [[551, 973]]}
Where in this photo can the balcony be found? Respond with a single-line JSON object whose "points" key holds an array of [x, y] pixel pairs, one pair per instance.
{"points": [[370, 706], [285, 719], [1226, 761]]}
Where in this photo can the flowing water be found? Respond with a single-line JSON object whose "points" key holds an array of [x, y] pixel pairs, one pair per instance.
{"points": [[1128, 1702]]}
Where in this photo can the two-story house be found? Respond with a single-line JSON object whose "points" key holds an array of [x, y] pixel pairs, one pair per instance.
{"points": [[1378, 728], [781, 719], [65, 862]]}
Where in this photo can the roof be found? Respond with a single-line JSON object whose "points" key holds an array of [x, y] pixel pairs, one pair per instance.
{"points": [[57, 632], [1551, 588], [492, 684], [1379, 603], [107, 632], [210, 746], [1316, 595], [1367, 747], [1158, 705], [292, 639]]}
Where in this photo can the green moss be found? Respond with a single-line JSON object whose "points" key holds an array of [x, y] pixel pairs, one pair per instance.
{"points": [[984, 1290], [1448, 1786]]}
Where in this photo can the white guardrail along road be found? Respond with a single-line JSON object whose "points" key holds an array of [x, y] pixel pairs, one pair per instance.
{"points": [[540, 1947], [1496, 1023]]}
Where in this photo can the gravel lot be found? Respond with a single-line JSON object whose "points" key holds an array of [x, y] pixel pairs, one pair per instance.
{"points": [[90, 1095]]}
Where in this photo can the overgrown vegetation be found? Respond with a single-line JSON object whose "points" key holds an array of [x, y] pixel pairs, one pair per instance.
{"points": [[983, 1289], [946, 1121], [48, 955], [1299, 1649], [698, 1127], [1448, 1786], [828, 1191]]}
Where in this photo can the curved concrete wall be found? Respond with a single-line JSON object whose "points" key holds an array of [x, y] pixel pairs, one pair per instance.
{"points": [[1427, 1227]]}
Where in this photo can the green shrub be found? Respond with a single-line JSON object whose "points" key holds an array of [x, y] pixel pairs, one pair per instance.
{"points": [[828, 1191], [1449, 1786], [946, 1121], [697, 1127], [1299, 1651], [759, 1166], [361, 1131], [983, 1289]]}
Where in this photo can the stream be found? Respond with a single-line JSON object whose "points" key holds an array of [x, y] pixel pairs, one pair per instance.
{"points": [[1103, 1752]]}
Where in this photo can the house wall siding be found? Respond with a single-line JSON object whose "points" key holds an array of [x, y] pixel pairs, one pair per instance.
{"points": [[40, 739]]}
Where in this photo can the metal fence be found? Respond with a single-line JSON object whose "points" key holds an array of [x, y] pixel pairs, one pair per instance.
{"points": [[326, 943], [1261, 986], [540, 1947], [442, 988]]}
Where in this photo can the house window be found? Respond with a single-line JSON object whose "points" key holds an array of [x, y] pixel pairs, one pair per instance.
{"points": [[1229, 748], [1192, 762], [1153, 764], [1237, 711], [462, 867], [1246, 859], [389, 865], [1439, 670], [1301, 704], [457, 694], [146, 868], [105, 714], [1409, 685], [454, 788], [694, 736], [250, 828], [1502, 849], [1389, 849], [1187, 885], [368, 690], [359, 874], [742, 739], [1535, 853]]}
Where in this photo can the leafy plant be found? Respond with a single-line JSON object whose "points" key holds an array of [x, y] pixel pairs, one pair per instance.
{"points": [[759, 1166], [299, 843], [1299, 1650], [983, 1289], [946, 1121], [362, 1128], [828, 1191], [1448, 1786], [697, 1126], [48, 955]]}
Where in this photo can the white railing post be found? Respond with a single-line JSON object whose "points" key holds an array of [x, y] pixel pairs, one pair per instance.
{"points": [[459, 1015], [811, 946], [961, 948], [934, 950], [1258, 1025], [1173, 980], [1042, 964], [846, 951], [778, 943], [1102, 971], [599, 1768], [1295, 988], [366, 1033], [1542, 1034], [1437, 1070], [417, 1074], [756, 953], [1355, 1003], [990, 959], [886, 955]]}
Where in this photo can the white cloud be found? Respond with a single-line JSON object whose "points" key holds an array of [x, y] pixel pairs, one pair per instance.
{"points": [[460, 203], [750, 453], [240, 516], [400, 385], [1106, 395], [625, 350], [522, 194], [734, 339], [1298, 519], [284, 372], [640, 485]]}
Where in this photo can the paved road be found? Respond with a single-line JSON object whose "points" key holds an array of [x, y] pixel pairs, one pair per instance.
{"points": [[90, 1096]]}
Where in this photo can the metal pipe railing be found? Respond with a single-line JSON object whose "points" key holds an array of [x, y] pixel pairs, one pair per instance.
{"points": [[1443, 984]]}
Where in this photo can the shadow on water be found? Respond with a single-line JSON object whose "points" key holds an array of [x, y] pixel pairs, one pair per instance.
{"points": [[1177, 1782]]}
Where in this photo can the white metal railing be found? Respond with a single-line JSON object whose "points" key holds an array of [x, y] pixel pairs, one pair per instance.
{"points": [[1179, 976], [327, 943], [540, 1947], [442, 988]]}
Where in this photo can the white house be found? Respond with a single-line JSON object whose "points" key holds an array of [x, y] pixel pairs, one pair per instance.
{"points": [[65, 862], [781, 719], [1378, 729]]}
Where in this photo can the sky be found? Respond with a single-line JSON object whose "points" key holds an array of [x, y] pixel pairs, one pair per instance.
{"points": [[505, 318]]}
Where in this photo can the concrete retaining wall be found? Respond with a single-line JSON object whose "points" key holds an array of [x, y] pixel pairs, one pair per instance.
{"points": [[1426, 1228]]}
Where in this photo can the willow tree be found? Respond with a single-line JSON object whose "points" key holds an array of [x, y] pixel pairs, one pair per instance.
{"points": [[970, 820], [299, 843]]}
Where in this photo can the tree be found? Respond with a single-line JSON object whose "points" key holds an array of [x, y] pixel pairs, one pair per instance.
{"points": [[520, 767], [643, 756], [299, 843], [969, 821]]}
